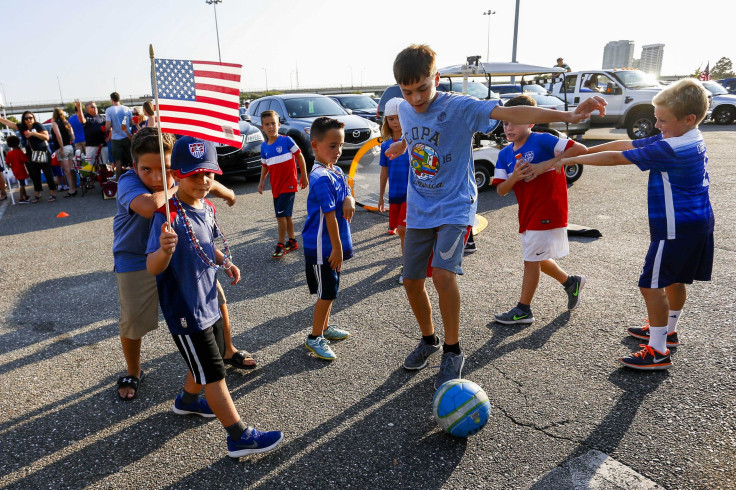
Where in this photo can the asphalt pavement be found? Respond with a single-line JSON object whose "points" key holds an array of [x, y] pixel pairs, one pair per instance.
{"points": [[560, 402]]}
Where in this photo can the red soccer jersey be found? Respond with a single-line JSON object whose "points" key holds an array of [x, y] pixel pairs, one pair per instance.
{"points": [[17, 161], [280, 158]]}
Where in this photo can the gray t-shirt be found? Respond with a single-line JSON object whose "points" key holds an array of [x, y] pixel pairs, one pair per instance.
{"points": [[442, 187]]}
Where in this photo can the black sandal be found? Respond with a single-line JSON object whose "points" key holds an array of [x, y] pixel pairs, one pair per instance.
{"points": [[71, 194], [238, 358], [129, 381]]}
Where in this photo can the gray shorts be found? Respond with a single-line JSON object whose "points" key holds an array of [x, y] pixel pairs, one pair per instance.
{"points": [[443, 246]]}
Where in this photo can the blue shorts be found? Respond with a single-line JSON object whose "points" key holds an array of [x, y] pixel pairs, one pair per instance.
{"points": [[440, 247], [682, 260], [284, 204], [322, 280]]}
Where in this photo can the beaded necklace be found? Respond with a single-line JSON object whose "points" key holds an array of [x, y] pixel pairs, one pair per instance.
{"points": [[227, 263]]}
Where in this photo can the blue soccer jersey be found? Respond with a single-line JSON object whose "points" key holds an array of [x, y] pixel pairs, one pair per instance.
{"points": [[328, 188], [398, 173], [679, 203]]}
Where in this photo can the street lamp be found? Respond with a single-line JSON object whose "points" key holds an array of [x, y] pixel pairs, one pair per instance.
{"points": [[266, 73], [488, 49], [214, 6], [60, 96]]}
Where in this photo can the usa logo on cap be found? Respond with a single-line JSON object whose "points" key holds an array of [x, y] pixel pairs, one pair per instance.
{"points": [[196, 149]]}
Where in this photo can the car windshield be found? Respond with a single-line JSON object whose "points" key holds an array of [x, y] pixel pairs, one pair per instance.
{"points": [[715, 88], [636, 79], [478, 90], [547, 100], [358, 103], [313, 107]]}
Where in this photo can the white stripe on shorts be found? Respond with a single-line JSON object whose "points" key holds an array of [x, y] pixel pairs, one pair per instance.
{"points": [[318, 275], [192, 358], [657, 264]]}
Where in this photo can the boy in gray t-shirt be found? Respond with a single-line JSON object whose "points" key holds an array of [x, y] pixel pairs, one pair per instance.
{"points": [[441, 197]]}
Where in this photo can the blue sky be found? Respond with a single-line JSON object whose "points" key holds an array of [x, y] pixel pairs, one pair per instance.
{"points": [[95, 47]]}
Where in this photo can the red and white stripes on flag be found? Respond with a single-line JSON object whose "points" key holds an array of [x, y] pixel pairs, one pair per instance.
{"points": [[200, 99], [705, 74]]}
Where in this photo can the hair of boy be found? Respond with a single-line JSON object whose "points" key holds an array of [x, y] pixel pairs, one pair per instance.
{"points": [[684, 97], [13, 141], [322, 125], [146, 141], [115, 97], [270, 113], [520, 100], [414, 64]]}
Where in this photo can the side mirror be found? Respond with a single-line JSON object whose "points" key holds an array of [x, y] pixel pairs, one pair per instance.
{"points": [[245, 117]]}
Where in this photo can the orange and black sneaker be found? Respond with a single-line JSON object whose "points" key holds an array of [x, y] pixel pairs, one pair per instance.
{"points": [[643, 333], [278, 252], [292, 244], [647, 359]]}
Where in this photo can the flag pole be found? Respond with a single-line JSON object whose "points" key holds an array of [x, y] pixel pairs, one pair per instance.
{"points": [[160, 136]]}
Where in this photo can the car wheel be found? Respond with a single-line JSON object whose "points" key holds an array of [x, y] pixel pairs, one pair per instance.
{"points": [[641, 124], [573, 173], [482, 174], [724, 114]]}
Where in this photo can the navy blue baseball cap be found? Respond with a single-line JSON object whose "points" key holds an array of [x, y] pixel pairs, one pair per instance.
{"points": [[192, 156]]}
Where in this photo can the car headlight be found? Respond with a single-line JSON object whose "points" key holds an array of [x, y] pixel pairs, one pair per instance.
{"points": [[253, 137]]}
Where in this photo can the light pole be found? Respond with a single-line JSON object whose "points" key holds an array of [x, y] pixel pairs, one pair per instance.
{"points": [[264, 71], [351, 77], [214, 6], [60, 96], [5, 101], [488, 49]]}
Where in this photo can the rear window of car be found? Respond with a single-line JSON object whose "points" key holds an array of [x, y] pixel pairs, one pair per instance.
{"points": [[312, 107]]}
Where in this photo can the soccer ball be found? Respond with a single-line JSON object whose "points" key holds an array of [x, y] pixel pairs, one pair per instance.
{"points": [[461, 407]]}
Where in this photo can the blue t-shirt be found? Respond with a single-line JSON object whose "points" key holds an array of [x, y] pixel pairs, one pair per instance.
{"points": [[398, 173], [439, 143], [77, 128], [187, 290], [130, 230], [327, 191], [679, 203], [116, 114]]}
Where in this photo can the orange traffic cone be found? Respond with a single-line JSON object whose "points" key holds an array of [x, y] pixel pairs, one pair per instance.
{"points": [[62, 215]]}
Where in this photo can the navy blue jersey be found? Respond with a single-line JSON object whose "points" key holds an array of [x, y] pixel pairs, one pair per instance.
{"points": [[679, 203]]}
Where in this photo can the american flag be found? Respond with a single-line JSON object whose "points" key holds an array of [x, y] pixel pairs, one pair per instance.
{"points": [[200, 99], [705, 74]]}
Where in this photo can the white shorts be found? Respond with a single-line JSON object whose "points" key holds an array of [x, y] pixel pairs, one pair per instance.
{"points": [[91, 152], [538, 245]]}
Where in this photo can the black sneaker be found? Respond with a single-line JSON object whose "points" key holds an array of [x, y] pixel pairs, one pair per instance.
{"points": [[292, 244], [278, 251], [647, 359], [515, 316], [469, 248], [643, 333], [419, 356], [573, 292]]}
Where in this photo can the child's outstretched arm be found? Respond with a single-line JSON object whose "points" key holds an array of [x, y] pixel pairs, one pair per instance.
{"points": [[225, 193], [602, 159], [539, 115], [621, 145], [158, 261], [575, 150], [231, 269], [335, 258]]}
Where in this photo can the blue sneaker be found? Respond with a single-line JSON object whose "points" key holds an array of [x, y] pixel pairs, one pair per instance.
{"points": [[200, 407], [334, 333], [253, 441], [321, 348]]}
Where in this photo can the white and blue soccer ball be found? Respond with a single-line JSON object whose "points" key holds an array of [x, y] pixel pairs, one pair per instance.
{"points": [[461, 407]]}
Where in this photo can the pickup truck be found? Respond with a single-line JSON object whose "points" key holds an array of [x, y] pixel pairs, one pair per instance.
{"points": [[629, 94]]}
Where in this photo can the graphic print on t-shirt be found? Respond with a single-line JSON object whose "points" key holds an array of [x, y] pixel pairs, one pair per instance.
{"points": [[424, 161]]}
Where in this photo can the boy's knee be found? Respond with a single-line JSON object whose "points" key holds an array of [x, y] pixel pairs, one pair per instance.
{"points": [[443, 279]]}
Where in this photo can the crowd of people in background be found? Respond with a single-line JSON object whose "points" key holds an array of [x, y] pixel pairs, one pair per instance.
{"points": [[53, 151]]}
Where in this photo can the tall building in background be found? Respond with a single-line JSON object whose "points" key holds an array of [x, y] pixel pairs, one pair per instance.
{"points": [[618, 54], [651, 59]]}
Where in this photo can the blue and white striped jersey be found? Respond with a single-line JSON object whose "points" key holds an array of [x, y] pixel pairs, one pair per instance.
{"points": [[679, 203]]}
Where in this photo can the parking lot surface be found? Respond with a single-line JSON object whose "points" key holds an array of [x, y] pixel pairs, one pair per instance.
{"points": [[555, 387]]}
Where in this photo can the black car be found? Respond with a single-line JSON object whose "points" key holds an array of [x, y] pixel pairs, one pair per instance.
{"points": [[358, 104], [246, 160]]}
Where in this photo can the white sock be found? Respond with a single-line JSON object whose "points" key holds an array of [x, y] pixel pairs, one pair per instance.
{"points": [[672, 321], [658, 338]]}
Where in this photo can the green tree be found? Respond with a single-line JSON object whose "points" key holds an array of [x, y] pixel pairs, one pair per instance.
{"points": [[722, 69]]}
